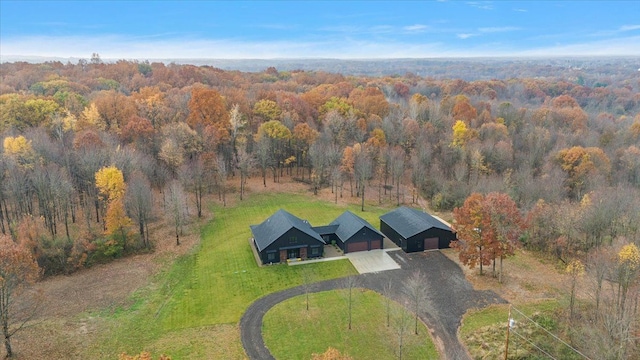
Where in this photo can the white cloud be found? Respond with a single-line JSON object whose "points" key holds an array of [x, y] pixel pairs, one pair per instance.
{"points": [[520, 10], [620, 30], [415, 28], [482, 5], [466, 35], [629, 28]]}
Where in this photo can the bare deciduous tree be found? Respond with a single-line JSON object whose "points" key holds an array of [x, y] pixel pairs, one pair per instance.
{"points": [[350, 283], [196, 178], [221, 179], [416, 294], [176, 205], [363, 168], [387, 292], [245, 163], [402, 325], [139, 203]]}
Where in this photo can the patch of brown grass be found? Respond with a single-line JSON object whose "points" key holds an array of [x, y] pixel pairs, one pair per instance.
{"points": [[210, 342], [526, 277]]}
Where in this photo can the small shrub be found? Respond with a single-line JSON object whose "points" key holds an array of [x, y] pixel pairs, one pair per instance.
{"points": [[106, 250]]}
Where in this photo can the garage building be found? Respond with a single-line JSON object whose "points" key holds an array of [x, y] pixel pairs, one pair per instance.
{"points": [[414, 230], [356, 234]]}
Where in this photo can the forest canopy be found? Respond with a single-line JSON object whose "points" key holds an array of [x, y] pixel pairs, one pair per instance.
{"points": [[561, 132]]}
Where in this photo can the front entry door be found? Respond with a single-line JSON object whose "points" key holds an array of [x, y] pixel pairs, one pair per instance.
{"points": [[293, 253]]}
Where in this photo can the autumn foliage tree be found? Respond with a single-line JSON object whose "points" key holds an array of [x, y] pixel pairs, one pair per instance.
{"points": [[110, 183], [575, 269], [473, 229], [507, 224], [18, 269], [487, 228], [581, 165], [208, 108]]}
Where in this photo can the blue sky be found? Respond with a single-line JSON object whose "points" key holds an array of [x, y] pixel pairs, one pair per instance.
{"points": [[324, 29]]}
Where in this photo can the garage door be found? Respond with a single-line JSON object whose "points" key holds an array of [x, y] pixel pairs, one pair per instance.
{"points": [[376, 244], [357, 246], [431, 243]]}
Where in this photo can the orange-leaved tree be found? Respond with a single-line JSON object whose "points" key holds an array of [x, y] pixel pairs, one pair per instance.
{"points": [[474, 232], [18, 269], [208, 108], [507, 224], [488, 227]]}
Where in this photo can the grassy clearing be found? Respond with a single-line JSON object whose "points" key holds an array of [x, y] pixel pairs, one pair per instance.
{"points": [[225, 278], [209, 290], [292, 332]]}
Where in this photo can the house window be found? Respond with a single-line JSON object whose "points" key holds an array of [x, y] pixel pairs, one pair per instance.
{"points": [[271, 256], [315, 251], [293, 240]]}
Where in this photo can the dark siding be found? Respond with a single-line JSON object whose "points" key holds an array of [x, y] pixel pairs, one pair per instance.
{"points": [[416, 243], [364, 235], [302, 240], [390, 233], [328, 238]]}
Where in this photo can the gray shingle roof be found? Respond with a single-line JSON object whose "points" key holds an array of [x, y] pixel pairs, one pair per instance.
{"points": [[350, 224], [325, 230], [409, 222], [276, 225]]}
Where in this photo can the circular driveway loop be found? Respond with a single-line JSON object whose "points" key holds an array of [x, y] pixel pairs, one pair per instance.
{"points": [[449, 296]]}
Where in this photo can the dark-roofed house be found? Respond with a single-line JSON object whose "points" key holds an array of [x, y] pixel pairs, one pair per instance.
{"points": [[284, 236], [414, 230], [353, 233]]}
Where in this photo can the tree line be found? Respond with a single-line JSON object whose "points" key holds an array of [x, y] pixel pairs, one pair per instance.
{"points": [[554, 140]]}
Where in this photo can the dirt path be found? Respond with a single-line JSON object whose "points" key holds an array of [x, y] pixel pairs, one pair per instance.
{"points": [[450, 295]]}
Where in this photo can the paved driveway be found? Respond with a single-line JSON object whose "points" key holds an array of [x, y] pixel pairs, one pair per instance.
{"points": [[372, 261], [450, 295]]}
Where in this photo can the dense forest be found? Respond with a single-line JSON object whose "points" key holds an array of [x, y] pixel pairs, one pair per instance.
{"points": [[91, 148]]}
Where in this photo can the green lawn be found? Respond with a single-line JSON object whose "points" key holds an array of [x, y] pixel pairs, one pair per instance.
{"points": [[292, 332], [211, 288]]}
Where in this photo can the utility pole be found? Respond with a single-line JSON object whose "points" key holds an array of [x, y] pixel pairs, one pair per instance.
{"points": [[509, 323]]}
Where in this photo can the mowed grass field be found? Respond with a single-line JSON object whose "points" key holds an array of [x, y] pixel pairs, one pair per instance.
{"points": [[192, 309], [293, 332]]}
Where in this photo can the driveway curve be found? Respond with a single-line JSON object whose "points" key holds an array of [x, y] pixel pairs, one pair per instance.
{"points": [[450, 295]]}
